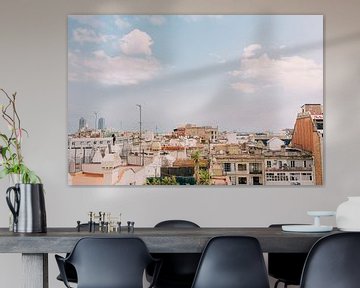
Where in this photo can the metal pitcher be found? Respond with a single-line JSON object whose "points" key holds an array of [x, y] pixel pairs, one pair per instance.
{"points": [[27, 207]]}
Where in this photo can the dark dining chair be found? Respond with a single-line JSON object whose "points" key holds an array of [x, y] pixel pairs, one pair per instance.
{"points": [[108, 263], [70, 271], [232, 262], [178, 269], [286, 267], [333, 262]]}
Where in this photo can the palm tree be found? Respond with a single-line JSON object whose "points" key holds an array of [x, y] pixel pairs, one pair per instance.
{"points": [[204, 177], [195, 156], [167, 180]]}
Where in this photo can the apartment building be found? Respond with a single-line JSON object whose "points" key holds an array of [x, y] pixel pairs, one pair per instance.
{"points": [[308, 136]]}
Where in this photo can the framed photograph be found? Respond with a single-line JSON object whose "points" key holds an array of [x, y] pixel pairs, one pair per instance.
{"points": [[195, 100]]}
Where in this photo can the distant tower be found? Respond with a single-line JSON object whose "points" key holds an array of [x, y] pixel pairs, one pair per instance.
{"points": [[96, 119], [101, 124], [82, 123]]}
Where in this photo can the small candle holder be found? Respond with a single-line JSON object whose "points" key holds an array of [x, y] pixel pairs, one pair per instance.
{"points": [[318, 214], [316, 227]]}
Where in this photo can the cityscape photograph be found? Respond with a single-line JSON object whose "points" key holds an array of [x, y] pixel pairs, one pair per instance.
{"points": [[195, 100]]}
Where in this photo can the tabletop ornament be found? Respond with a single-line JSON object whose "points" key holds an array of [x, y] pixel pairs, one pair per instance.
{"points": [[315, 227], [25, 197], [104, 222]]}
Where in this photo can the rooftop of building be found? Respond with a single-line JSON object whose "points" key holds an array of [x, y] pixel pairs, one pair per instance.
{"points": [[189, 163]]}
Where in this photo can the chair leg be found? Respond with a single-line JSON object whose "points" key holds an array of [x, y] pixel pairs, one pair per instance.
{"points": [[278, 282]]}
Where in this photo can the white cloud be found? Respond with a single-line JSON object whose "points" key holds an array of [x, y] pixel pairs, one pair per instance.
{"points": [[121, 23], [244, 87], [251, 50], [136, 42], [112, 71], [294, 75], [157, 20], [83, 35]]}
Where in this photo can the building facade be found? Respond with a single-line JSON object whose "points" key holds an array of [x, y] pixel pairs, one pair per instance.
{"points": [[288, 167], [308, 136], [204, 133], [263, 166], [241, 169]]}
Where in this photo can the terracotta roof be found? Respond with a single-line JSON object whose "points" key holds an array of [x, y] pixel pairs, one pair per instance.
{"points": [[189, 163]]}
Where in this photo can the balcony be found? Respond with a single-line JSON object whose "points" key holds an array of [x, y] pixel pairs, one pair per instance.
{"points": [[287, 168], [255, 171]]}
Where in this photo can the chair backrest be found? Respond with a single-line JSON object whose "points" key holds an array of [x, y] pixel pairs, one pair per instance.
{"points": [[232, 262], [286, 266], [176, 224], [178, 269], [333, 262], [110, 262]]}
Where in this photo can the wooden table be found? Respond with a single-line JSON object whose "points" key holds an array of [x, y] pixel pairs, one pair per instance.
{"points": [[35, 247]]}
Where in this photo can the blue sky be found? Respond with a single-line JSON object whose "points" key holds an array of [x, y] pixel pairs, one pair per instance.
{"points": [[237, 72]]}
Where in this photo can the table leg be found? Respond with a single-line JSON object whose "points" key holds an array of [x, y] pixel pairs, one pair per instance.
{"points": [[35, 270]]}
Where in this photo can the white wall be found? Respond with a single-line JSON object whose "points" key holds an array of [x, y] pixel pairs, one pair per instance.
{"points": [[33, 57]]}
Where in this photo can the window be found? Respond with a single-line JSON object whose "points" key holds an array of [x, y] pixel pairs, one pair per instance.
{"points": [[255, 168], [256, 180], [280, 164], [268, 164], [270, 177], [275, 177], [241, 167], [319, 124], [227, 167], [242, 180], [294, 176], [283, 177], [305, 164], [292, 163], [306, 176]]}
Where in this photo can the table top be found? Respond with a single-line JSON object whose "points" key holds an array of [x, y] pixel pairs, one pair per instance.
{"points": [[158, 240]]}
